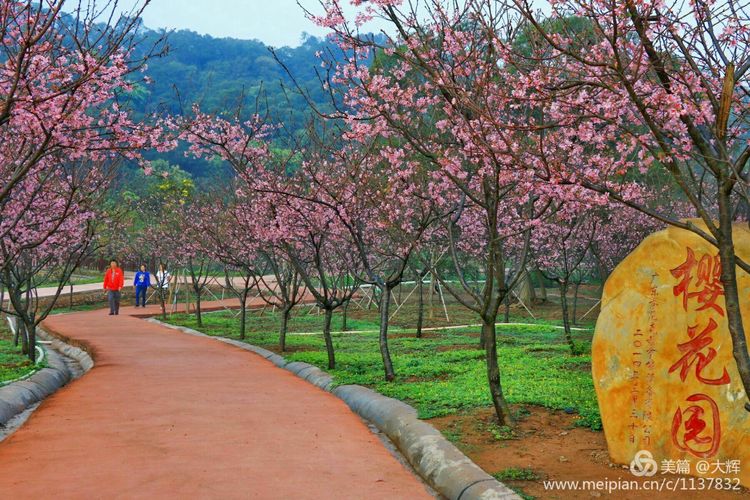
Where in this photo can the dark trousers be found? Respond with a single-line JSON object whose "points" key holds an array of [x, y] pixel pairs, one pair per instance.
{"points": [[113, 296], [140, 295]]}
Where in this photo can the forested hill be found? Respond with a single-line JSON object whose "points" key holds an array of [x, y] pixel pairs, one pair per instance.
{"points": [[216, 71]]}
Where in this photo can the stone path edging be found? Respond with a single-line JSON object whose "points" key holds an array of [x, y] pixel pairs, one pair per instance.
{"points": [[18, 396], [443, 466]]}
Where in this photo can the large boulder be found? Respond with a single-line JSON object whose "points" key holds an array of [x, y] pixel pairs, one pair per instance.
{"points": [[662, 358]]}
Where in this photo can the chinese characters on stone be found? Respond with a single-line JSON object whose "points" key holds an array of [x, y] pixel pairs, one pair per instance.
{"points": [[696, 425]]}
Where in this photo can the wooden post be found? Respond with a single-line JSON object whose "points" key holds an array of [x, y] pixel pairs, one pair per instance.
{"points": [[442, 299], [431, 294]]}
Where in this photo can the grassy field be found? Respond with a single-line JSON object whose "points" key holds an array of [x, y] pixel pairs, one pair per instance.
{"points": [[442, 373], [13, 364], [82, 276]]}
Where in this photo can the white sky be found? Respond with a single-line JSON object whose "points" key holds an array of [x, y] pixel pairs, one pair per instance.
{"points": [[275, 22]]}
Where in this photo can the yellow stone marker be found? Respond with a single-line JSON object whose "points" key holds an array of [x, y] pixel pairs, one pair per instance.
{"points": [[662, 359]]}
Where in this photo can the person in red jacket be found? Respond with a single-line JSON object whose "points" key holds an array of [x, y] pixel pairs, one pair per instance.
{"points": [[114, 280]]}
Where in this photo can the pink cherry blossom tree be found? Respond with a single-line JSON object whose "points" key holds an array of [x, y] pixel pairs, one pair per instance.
{"points": [[654, 86], [62, 84], [190, 250], [440, 97], [228, 241], [278, 281], [244, 146], [382, 207], [322, 254], [66, 212], [561, 245]]}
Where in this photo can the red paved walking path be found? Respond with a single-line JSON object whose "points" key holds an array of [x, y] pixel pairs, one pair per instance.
{"points": [[166, 414]]}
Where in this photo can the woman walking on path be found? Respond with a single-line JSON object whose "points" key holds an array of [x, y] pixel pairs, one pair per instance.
{"points": [[162, 287], [162, 277], [141, 283], [114, 280]]}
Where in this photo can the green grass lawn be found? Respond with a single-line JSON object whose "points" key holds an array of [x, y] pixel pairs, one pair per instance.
{"points": [[61, 306], [442, 373], [82, 276], [77, 280], [13, 364]]}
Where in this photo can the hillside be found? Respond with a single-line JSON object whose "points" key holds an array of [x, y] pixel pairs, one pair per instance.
{"points": [[216, 72]]}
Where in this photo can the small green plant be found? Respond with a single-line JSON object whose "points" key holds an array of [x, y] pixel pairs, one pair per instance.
{"points": [[516, 474], [452, 435], [501, 432], [521, 413]]}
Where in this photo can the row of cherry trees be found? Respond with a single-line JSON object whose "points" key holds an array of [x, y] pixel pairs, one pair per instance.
{"points": [[517, 114], [336, 213], [484, 137], [495, 135], [63, 132]]}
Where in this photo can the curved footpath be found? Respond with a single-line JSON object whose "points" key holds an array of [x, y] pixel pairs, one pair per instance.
{"points": [[165, 414]]}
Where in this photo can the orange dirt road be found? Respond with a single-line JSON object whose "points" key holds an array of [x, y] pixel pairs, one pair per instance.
{"points": [[164, 414]]}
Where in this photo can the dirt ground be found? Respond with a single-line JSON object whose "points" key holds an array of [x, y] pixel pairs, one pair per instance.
{"points": [[548, 444]]}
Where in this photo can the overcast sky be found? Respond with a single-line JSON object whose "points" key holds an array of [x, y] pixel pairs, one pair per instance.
{"points": [[275, 22]]}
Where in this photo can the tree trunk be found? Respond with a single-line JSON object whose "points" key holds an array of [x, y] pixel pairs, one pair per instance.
{"points": [[430, 296], [542, 288], [282, 329], [420, 305], [506, 317], [327, 337], [566, 321], [482, 342], [24, 333], [493, 373], [198, 317], [731, 294], [31, 329], [575, 302], [385, 302], [344, 316], [243, 315], [162, 300], [526, 289]]}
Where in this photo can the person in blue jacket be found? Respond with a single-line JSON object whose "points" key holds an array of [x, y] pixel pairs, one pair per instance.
{"points": [[141, 283]]}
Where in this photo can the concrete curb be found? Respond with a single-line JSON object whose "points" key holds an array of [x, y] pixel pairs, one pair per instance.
{"points": [[443, 466], [18, 396]]}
